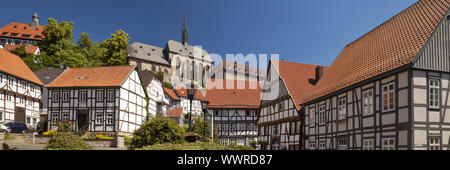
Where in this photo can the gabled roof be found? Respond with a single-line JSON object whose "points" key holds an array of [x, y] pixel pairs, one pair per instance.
{"points": [[233, 97], [147, 52], [13, 65], [228, 65], [47, 75], [297, 78], [175, 113], [391, 45], [146, 77], [111, 76], [171, 94], [179, 48], [30, 49], [182, 92], [23, 31]]}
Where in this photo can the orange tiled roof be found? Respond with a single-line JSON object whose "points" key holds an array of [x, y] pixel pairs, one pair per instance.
{"points": [[175, 113], [12, 64], [182, 92], [29, 49], [233, 97], [22, 29], [171, 94], [296, 77], [389, 46], [111, 76]]}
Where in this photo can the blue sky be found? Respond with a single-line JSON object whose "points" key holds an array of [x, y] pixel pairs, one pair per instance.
{"points": [[307, 31]]}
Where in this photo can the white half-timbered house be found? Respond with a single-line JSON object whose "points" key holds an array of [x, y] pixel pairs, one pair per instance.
{"points": [[389, 89], [157, 101], [20, 91], [98, 99], [185, 102], [234, 107], [280, 121]]}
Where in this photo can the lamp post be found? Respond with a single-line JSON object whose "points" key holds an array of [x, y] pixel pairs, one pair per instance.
{"points": [[191, 93], [205, 111]]}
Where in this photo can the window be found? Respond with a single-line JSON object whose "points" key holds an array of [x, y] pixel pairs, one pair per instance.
{"points": [[34, 121], [435, 143], [55, 97], [21, 100], [28, 120], [99, 96], [65, 97], [368, 144], [342, 109], [280, 107], [343, 143], [24, 85], [368, 102], [110, 119], [216, 112], [10, 81], [111, 96], [9, 97], [292, 129], [434, 93], [65, 117], [312, 116], [1, 116], [389, 144], [82, 97], [224, 127], [388, 97], [30, 102], [232, 127], [322, 146], [32, 88], [99, 118], [322, 115], [54, 118], [312, 146]]}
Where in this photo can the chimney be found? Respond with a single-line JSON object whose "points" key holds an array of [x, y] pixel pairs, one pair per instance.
{"points": [[319, 73]]}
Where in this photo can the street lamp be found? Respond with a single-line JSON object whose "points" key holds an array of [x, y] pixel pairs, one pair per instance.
{"points": [[191, 93], [205, 111]]}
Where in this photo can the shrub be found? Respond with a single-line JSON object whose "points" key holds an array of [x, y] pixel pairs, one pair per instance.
{"points": [[67, 141], [156, 131], [50, 132], [167, 85], [64, 126], [253, 144], [194, 146], [198, 126]]}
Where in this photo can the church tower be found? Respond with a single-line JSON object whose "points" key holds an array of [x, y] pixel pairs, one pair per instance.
{"points": [[185, 33], [34, 20]]}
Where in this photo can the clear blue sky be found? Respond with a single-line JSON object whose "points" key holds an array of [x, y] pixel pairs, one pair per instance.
{"points": [[307, 31]]}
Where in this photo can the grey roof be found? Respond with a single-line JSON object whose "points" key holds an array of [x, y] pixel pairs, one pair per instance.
{"points": [[146, 77], [179, 48], [147, 52], [47, 75]]}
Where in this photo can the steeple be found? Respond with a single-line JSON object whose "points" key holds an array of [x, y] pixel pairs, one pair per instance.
{"points": [[34, 20], [185, 33]]}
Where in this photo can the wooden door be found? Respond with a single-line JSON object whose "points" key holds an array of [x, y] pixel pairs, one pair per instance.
{"points": [[19, 115]]}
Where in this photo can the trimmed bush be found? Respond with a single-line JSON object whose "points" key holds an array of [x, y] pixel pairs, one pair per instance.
{"points": [[67, 141], [156, 131], [195, 146]]}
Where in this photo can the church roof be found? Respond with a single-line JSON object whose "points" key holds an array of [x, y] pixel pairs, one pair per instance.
{"points": [[179, 48], [391, 45], [22, 31], [13, 65], [147, 52]]}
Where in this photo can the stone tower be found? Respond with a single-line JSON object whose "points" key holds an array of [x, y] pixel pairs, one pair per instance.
{"points": [[34, 20]]}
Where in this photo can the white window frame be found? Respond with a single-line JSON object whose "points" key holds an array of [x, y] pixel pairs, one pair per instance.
{"points": [[110, 118], [368, 144], [322, 146], [9, 97], [312, 116], [10, 81], [82, 98], [99, 95], [322, 111], [388, 144], [30, 102], [99, 118], [434, 142], [55, 118], [65, 117], [65, 96], [343, 142], [342, 109], [21, 99], [434, 93], [312, 146], [368, 102], [390, 93], [55, 97], [110, 96]]}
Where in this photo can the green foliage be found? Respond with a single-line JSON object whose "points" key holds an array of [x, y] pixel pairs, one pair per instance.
{"points": [[116, 48], [194, 146], [156, 131], [167, 85], [30, 60], [253, 144], [67, 141], [92, 50], [198, 126], [127, 141], [160, 75], [64, 126]]}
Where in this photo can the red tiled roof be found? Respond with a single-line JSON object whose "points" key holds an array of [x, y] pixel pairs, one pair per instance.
{"points": [[22, 29], [296, 77], [171, 94], [111, 76], [175, 113], [12, 64], [233, 97], [29, 49], [389, 46], [182, 92]]}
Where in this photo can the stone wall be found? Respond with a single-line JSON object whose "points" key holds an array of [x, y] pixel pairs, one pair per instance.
{"points": [[100, 143], [118, 141]]}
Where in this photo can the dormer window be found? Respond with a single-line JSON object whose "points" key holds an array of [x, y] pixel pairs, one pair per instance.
{"points": [[38, 37], [26, 35], [14, 34], [4, 33]]}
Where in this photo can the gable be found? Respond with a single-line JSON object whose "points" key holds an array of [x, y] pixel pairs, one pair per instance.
{"points": [[277, 87]]}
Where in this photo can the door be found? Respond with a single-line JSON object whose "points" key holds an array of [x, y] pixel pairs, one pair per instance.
{"points": [[82, 119], [19, 115]]}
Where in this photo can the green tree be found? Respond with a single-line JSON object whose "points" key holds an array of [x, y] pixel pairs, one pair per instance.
{"points": [[160, 75], [198, 126], [157, 131], [92, 50], [31, 60], [116, 48]]}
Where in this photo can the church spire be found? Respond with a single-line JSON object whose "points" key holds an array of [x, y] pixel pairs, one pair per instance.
{"points": [[35, 20], [185, 33]]}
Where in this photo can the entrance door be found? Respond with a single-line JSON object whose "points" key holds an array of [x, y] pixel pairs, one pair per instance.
{"points": [[82, 120], [19, 115]]}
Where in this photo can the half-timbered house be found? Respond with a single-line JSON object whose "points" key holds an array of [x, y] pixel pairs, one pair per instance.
{"points": [[234, 107], [47, 75], [389, 89], [20, 91], [280, 121], [98, 99], [157, 101], [185, 102]]}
